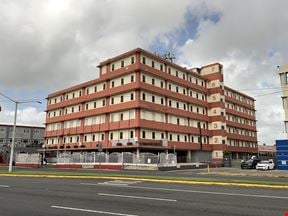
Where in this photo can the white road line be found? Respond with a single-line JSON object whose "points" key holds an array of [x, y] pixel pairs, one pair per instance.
{"points": [[106, 183], [92, 211], [137, 197], [5, 186], [200, 192]]}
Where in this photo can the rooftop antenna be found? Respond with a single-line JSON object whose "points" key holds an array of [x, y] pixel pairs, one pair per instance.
{"points": [[169, 56]]}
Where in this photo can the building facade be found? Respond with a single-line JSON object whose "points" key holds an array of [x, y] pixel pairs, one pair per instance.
{"points": [[142, 102], [27, 139]]}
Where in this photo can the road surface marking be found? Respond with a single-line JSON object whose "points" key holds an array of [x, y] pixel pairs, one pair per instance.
{"points": [[199, 192], [116, 182], [5, 186], [137, 197], [92, 211]]}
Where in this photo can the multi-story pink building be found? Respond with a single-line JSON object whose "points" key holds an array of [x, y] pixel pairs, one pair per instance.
{"points": [[142, 102]]}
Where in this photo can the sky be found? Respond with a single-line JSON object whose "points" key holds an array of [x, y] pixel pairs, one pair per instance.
{"points": [[50, 45]]}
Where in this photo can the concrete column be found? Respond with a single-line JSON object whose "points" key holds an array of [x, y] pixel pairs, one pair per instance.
{"points": [[189, 156], [137, 153], [166, 153]]}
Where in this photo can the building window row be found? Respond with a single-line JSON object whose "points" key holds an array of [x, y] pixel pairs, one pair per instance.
{"points": [[172, 71], [243, 132], [239, 97], [239, 108], [120, 81], [240, 143], [122, 63], [240, 120]]}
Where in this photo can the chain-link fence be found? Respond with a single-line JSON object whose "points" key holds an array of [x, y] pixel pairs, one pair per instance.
{"points": [[161, 159]]}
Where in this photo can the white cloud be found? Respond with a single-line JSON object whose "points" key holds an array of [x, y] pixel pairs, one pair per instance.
{"points": [[25, 116], [249, 40]]}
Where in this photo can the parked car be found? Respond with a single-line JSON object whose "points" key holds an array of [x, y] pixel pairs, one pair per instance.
{"points": [[249, 164], [265, 165]]}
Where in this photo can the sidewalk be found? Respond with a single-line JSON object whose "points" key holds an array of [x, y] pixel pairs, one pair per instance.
{"points": [[246, 172]]}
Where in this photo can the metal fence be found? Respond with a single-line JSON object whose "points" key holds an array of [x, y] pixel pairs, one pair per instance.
{"points": [[161, 159], [28, 158]]}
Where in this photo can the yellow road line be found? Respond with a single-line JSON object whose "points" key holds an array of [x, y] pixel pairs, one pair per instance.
{"points": [[151, 180]]}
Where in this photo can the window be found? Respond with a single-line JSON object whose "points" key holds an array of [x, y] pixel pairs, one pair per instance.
{"points": [[184, 91], [111, 136], [178, 121], [162, 135], [143, 60], [121, 135], [169, 70], [121, 117], [73, 95], [131, 134], [112, 100], [153, 64], [143, 96], [162, 101], [169, 86], [122, 98], [177, 89], [153, 81], [71, 139], [161, 67], [184, 77], [86, 106], [143, 134], [112, 67], [177, 105], [112, 84], [102, 136], [153, 98], [104, 86], [79, 108], [153, 135], [176, 73], [170, 103], [122, 81], [93, 137], [132, 78], [103, 102], [80, 93], [131, 96], [95, 89], [87, 91], [162, 84], [72, 110], [122, 63], [170, 137], [143, 78], [95, 104], [132, 60]]}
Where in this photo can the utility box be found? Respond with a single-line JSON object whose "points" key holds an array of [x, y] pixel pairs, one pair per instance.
{"points": [[282, 154]]}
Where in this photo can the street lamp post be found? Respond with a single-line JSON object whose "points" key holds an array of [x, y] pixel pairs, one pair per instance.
{"points": [[14, 127]]}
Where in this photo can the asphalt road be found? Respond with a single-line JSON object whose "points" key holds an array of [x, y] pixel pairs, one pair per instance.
{"points": [[43, 196]]}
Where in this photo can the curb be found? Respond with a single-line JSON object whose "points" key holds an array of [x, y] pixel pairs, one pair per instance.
{"points": [[151, 180]]}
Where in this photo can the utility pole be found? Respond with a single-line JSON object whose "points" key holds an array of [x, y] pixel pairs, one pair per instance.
{"points": [[14, 126]]}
